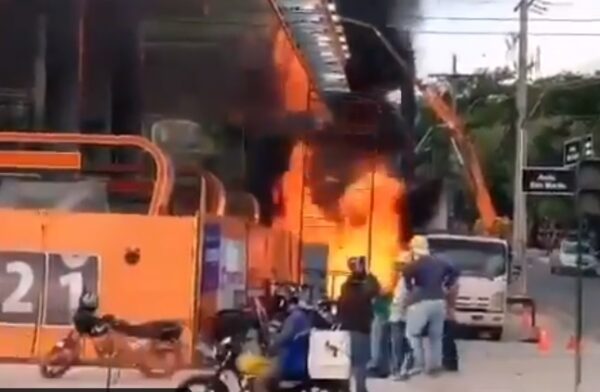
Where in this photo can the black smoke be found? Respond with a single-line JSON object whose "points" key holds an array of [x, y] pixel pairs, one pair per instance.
{"points": [[372, 73], [17, 43]]}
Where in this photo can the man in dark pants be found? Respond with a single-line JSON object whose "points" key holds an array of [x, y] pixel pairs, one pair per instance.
{"points": [[355, 312], [379, 365], [449, 351]]}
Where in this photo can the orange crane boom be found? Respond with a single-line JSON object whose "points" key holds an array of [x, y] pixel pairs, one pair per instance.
{"points": [[492, 224]]}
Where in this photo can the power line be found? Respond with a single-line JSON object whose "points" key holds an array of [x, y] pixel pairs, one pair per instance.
{"points": [[500, 19], [503, 33]]}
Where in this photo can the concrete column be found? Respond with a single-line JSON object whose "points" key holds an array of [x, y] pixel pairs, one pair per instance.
{"points": [[62, 65], [96, 74], [127, 75], [97, 64]]}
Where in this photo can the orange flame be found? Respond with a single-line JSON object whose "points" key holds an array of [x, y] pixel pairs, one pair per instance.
{"points": [[349, 235]]}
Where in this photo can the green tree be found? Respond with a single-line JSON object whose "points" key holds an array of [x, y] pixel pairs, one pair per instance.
{"points": [[560, 107]]}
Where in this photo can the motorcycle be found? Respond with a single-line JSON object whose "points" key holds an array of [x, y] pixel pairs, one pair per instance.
{"points": [[154, 348], [228, 378]]}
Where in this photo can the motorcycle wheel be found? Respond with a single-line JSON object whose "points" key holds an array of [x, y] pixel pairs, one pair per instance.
{"points": [[334, 386], [164, 364], [56, 363], [202, 383], [342, 386]]}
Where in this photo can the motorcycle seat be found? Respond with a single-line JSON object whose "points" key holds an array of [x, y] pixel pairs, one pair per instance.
{"points": [[163, 330]]}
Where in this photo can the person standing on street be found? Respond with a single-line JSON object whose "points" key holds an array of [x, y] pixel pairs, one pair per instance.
{"points": [[355, 312], [427, 279], [401, 352], [379, 365], [449, 350]]}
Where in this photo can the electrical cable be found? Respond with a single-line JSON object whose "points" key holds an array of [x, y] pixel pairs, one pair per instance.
{"points": [[501, 19], [503, 33]]}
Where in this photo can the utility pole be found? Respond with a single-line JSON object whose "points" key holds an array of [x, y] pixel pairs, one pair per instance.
{"points": [[453, 80], [447, 201], [520, 208]]}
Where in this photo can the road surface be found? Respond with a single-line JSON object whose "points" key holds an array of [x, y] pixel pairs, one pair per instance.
{"points": [[508, 366]]}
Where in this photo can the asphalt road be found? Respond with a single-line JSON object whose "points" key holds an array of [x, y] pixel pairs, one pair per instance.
{"points": [[555, 297]]}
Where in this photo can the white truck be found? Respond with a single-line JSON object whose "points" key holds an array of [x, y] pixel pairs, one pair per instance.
{"points": [[484, 265]]}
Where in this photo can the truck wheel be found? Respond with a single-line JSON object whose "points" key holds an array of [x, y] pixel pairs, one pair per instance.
{"points": [[496, 334]]}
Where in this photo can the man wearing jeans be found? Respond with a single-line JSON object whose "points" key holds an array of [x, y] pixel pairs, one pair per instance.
{"points": [[427, 279]]}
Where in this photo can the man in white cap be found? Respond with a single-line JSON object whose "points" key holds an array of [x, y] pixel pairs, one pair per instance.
{"points": [[427, 279]]}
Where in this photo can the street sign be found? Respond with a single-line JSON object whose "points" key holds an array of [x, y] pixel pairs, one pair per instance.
{"points": [[572, 151], [548, 181], [588, 146], [578, 148]]}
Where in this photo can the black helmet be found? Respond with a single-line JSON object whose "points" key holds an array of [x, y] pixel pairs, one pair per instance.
{"points": [[88, 300]]}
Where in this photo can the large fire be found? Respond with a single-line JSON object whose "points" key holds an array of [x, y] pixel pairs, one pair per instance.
{"points": [[359, 227]]}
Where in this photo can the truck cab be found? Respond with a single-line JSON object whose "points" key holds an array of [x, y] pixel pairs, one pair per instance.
{"points": [[484, 265]]}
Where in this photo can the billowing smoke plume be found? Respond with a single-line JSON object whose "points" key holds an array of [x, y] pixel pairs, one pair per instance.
{"points": [[372, 72]]}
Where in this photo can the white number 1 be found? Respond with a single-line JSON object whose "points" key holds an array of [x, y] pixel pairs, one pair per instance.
{"points": [[74, 282], [14, 302]]}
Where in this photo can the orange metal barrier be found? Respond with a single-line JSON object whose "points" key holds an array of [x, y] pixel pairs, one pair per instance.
{"points": [[272, 254], [237, 257], [46, 260], [49, 160], [163, 185]]}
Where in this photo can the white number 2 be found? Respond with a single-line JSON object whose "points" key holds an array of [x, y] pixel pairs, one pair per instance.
{"points": [[74, 282], [14, 302]]}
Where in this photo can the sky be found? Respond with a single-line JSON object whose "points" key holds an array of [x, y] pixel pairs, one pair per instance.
{"points": [[557, 53]]}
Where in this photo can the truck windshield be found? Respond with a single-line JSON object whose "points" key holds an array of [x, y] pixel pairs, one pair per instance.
{"points": [[472, 258]]}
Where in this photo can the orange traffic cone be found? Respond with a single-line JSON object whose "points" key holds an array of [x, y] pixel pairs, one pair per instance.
{"points": [[544, 342]]}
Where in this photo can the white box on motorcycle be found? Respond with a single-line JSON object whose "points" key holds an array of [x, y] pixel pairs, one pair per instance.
{"points": [[329, 355]]}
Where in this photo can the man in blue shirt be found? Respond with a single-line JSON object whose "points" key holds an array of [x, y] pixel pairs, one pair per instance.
{"points": [[283, 349], [427, 280]]}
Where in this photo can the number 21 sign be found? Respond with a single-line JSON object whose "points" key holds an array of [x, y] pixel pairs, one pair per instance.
{"points": [[44, 287]]}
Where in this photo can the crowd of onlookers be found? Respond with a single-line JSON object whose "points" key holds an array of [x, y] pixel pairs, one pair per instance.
{"points": [[389, 328]]}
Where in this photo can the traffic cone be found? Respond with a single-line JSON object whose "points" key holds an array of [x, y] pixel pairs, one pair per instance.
{"points": [[544, 343]]}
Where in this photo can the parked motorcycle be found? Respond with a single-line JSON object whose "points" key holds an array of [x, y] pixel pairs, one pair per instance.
{"points": [[154, 348]]}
